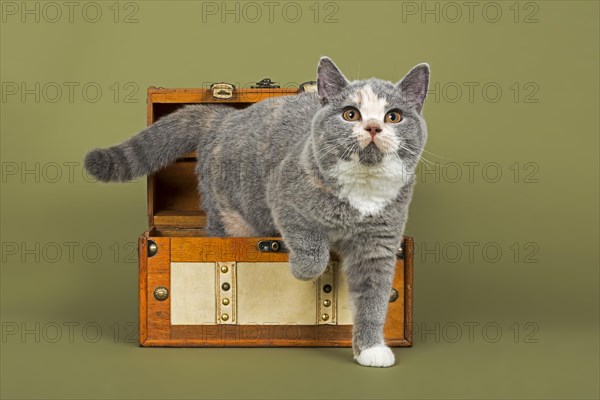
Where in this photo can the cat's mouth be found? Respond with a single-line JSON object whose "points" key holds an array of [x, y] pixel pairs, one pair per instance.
{"points": [[370, 155]]}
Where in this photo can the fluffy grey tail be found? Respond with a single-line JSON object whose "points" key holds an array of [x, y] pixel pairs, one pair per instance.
{"points": [[155, 147]]}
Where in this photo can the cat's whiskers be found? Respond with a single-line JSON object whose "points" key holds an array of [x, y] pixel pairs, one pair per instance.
{"points": [[336, 173], [348, 151], [333, 143], [421, 158], [328, 147], [437, 155], [335, 140], [327, 151]]}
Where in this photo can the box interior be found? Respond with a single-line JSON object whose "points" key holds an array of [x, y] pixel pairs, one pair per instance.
{"points": [[175, 232], [175, 199]]}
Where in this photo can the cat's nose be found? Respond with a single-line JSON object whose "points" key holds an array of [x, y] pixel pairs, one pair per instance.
{"points": [[373, 129]]}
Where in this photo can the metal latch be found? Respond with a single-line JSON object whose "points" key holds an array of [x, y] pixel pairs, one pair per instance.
{"points": [[222, 90], [266, 83], [272, 246]]}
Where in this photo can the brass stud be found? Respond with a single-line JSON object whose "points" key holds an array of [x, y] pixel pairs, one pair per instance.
{"points": [[152, 248], [224, 269], [225, 286], [225, 301], [325, 317], [161, 293], [394, 295], [327, 302], [224, 317]]}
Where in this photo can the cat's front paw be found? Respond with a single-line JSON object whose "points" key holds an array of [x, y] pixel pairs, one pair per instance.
{"points": [[376, 356], [307, 268]]}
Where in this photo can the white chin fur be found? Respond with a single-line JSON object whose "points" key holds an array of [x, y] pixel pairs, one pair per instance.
{"points": [[370, 188], [376, 356]]}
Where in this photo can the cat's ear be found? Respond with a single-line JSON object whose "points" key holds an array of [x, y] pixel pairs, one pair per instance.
{"points": [[414, 85], [330, 80]]}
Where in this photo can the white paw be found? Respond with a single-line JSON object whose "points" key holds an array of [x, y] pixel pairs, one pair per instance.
{"points": [[376, 356]]}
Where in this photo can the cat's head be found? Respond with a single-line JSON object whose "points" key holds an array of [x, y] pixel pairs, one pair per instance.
{"points": [[368, 122]]}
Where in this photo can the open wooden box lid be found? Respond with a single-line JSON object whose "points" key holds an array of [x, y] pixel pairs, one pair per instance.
{"points": [[173, 198]]}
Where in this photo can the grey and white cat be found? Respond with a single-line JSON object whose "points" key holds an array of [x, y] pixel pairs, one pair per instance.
{"points": [[329, 171]]}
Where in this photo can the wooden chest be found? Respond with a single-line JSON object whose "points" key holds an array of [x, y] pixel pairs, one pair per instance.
{"points": [[201, 291]]}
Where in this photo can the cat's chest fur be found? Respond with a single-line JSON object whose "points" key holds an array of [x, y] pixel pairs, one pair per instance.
{"points": [[369, 189]]}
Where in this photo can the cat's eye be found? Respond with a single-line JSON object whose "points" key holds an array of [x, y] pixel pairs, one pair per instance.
{"points": [[393, 117], [351, 114]]}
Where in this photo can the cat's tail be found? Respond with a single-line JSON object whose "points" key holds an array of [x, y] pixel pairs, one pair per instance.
{"points": [[155, 147]]}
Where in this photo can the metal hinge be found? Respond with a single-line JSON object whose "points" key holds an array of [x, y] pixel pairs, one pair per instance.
{"points": [[266, 83]]}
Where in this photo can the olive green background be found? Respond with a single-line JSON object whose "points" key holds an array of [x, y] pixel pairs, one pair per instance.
{"points": [[522, 323]]}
